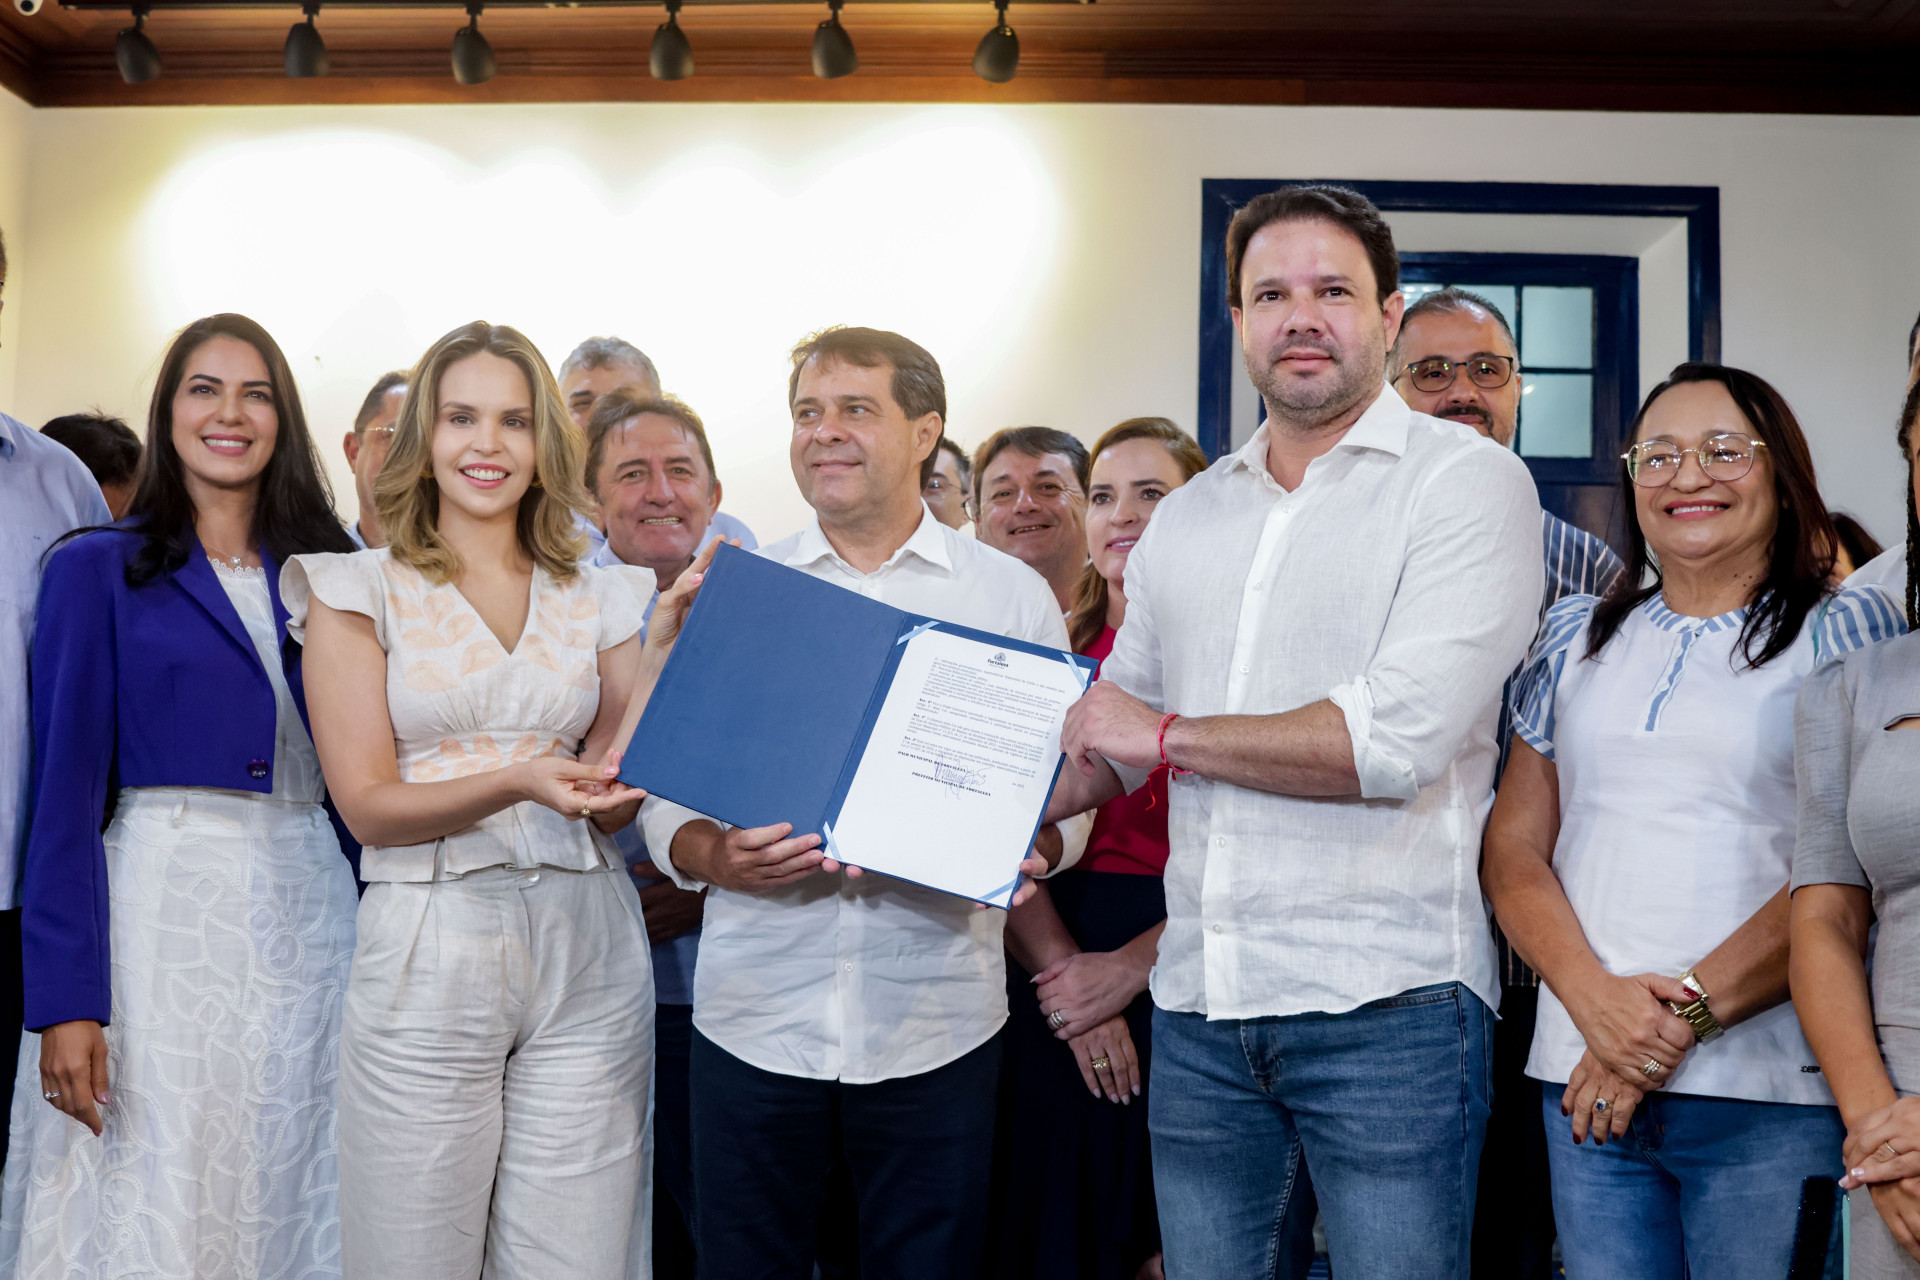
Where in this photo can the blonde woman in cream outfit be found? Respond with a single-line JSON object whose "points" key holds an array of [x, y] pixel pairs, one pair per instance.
{"points": [[469, 683]]}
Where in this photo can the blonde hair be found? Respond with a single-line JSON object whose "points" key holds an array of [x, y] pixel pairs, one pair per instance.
{"points": [[1088, 617], [408, 498]]}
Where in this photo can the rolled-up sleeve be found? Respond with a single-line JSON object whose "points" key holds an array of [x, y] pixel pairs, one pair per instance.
{"points": [[1465, 611], [1823, 776], [660, 821]]}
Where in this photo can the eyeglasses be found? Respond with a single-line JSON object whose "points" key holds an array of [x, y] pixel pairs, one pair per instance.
{"points": [[937, 484], [1486, 372], [1727, 457]]}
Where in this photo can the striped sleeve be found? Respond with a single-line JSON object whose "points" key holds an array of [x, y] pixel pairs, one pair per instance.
{"points": [[1854, 618], [1539, 679], [1578, 564]]}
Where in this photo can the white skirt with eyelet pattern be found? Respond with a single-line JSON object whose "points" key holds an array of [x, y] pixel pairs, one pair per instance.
{"points": [[232, 928]]}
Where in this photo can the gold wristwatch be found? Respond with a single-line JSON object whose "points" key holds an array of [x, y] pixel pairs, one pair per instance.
{"points": [[1699, 1017]]}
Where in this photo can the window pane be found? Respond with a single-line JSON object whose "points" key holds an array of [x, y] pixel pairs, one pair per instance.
{"points": [[1556, 415], [1556, 328], [1416, 290], [1500, 295]]}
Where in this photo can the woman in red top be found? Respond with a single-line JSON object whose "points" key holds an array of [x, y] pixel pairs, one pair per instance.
{"points": [[1075, 1184]]}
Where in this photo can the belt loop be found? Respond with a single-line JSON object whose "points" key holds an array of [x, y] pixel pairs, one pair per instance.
{"points": [[180, 812]]}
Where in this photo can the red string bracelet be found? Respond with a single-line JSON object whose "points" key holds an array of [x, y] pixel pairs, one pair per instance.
{"points": [[1165, 763]]}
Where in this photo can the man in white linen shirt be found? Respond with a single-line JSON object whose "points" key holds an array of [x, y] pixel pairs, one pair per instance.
{"points": [[1318, 628], [835, 1014]]}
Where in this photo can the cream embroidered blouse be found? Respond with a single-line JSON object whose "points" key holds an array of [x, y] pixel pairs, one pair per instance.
{"points": [[461, 704]]}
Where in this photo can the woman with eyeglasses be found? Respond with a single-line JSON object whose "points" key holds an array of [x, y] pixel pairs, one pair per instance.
{"points": [[1639, 848], [1854, 868]]}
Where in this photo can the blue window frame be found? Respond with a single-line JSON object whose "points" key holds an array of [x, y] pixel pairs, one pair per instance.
{"points": [[1577, 320]]}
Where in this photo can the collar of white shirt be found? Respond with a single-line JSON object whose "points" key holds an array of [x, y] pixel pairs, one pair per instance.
{"points": [[927, 542], [1383, 426]]}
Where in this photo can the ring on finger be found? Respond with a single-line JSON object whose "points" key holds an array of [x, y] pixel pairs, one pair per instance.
{"points": [[1056, 1019], [1602, 1105], [1653, 1068], [51, 1096], [1886, 1152], [1101, 1063]]}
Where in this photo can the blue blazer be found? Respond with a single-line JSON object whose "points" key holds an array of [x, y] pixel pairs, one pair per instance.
{"points": [[151, 686]]}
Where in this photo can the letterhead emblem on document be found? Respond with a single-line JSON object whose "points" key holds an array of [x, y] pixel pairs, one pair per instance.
{"points": [[997, 660]]}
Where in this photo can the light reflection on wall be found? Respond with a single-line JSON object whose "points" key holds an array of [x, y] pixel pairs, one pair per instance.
{"points": [[357, 248]]}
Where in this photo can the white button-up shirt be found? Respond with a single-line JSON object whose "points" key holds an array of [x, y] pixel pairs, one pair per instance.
{"points": [[1402, 580], [867, 979]]}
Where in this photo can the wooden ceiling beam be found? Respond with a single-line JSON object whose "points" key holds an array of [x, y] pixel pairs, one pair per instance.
{"points": [[1707, 55]]}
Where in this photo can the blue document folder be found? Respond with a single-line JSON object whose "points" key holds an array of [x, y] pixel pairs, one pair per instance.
{"points": [[766, 706]]}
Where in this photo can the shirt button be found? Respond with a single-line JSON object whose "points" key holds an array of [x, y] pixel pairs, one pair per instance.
{"points": [[256, 768], [1244, 669], [1216, 928], [1221, 841], [848, 966]]}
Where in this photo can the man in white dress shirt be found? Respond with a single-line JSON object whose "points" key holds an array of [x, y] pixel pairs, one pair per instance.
{"points": [[838, 1015], [1318, 628]]}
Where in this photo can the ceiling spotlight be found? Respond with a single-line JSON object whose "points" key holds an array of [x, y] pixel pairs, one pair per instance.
{"points": [[472, 55], [138, 58], [833, 54], [671, 57], [306, 51], [998, 57]]}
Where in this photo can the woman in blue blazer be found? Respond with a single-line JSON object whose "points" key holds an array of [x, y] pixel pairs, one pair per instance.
{"points": [[184, 968]]}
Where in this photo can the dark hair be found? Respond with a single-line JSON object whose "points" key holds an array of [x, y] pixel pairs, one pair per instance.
{"points": [[1913, 334], [1316, 202], [106, 444], [3, 253], [615, 408], [960, 459], [1909, 411], [1035, 442], [1859, 545], [370, 407], [918, 387], [1451, 300], [294, 513], [1801, 558], [1088, 616], [598, 353]]}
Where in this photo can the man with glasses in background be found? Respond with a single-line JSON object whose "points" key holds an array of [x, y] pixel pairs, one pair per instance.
{"points": [[944, 482], [1030, 501], [367, 446], [1456, 359]]}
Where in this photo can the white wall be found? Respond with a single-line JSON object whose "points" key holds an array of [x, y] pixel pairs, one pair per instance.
{"points": [[1049, 256]]}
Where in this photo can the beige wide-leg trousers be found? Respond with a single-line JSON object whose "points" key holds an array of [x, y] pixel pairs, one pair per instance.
{"points": [[494, 1065]]}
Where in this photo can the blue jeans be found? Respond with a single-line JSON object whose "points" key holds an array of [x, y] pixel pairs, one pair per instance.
{"points": [[1386, 1103], [1702, 1188]]}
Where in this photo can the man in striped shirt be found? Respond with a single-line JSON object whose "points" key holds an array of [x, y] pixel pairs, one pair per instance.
{"points": [[1456, 359]]}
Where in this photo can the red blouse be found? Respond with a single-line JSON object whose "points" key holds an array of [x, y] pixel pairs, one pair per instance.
{"points": [[1129, 831]]}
